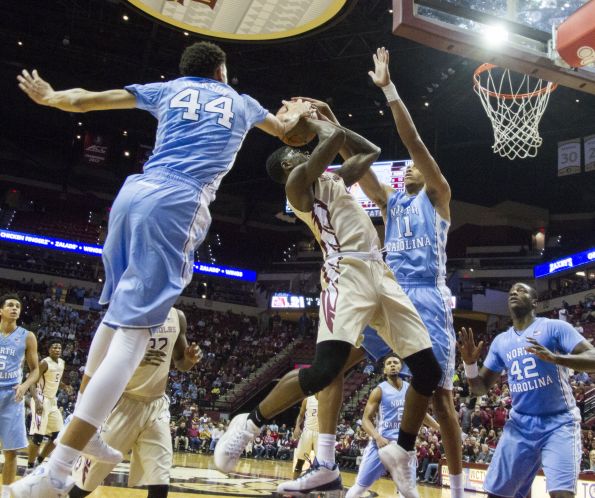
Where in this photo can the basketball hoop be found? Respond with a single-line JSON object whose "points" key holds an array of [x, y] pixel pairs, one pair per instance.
{"points": [[515, 106]]}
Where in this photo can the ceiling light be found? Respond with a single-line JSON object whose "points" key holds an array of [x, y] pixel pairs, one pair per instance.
{"points": [[381, 112], [125, 133], [78, 137], [125, 17], [427, 104], [162, 76], [495, 35], [20, 43], [127, 153], [186, 33], [80, 123], [350, 115]]}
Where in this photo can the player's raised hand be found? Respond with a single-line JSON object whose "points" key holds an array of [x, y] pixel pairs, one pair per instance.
{"points": [[37, 89], [299, 107], [381, 75], [153, 357], [193, 353], [469, 350], [322, 109], [540, 351]]}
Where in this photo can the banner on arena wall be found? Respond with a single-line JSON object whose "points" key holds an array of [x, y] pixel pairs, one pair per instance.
{"points": [[589, 150], [95, 149], [569, 157], [474, 478]]}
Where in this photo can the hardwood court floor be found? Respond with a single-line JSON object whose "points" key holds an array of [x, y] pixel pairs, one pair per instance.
{"points": [[196, 475]]}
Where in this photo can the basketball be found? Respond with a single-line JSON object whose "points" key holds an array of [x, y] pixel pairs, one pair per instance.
{"points": [[299, 135]]}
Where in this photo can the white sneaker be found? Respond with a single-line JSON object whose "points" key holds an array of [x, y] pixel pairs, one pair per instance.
{"points": [[319, 477], [231, 445], [40, 484], [97, 449], [402, 466]]}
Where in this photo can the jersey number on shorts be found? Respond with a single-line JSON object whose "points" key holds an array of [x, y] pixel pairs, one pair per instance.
{"points": [[162, 341], [188, 99], [527, 372]]}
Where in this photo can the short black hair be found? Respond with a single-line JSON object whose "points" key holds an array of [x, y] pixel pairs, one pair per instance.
{"points": [[201, 59], [7, 297], [391, 355], [53, 343], [274, 164]]}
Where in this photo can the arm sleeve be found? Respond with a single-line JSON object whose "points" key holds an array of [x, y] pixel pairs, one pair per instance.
{"points": [[255, 113], [147, 96], [566, 335], [493, 360]]}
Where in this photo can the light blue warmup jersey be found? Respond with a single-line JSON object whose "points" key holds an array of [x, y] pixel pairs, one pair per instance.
{"points": [[415, 243], [536, 387], [415, 238], [390, 413], [202, 124], [12, 414], [544, 427], [161, 217], [390, 410], [12, 354]]}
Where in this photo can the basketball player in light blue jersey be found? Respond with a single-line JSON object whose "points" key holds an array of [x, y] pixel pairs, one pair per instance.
{"points": [[16, 345], [417, 222], [544, 426], [381, 421], [157, 221]]}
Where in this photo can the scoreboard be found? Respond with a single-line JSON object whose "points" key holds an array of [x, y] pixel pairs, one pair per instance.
{"points": [[389, 172]]}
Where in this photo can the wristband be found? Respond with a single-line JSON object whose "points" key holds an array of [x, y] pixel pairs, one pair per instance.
{"points": [[471, 371], [390, 92]]}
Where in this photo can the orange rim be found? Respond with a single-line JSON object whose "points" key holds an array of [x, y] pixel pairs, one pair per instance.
{"points": [[508, 96]]}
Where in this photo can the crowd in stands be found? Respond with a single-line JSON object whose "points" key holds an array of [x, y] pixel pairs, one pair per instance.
{"points": [[568, 287]]}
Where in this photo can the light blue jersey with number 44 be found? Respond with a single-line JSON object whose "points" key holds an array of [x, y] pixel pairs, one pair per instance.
{"points": [[202, 124], [536, 387]]}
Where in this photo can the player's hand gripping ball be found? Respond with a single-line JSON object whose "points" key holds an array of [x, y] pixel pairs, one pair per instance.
{"points": [[300, 134]]}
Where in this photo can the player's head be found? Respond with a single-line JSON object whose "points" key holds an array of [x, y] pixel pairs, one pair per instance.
{"points": [[10, 307], [522, 299], [414, 180], [392, 366], [281, 162], [204, 60], [55, 350]]}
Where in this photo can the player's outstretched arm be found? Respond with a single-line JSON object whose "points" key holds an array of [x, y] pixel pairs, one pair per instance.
{"points": [[298, 187], [479, 381], [377, 192], [357, 152], [74, 99], [185, 356], [430, 422], [33, 363], [369, 417], [436, 185], [296, 109], [582, 357]]}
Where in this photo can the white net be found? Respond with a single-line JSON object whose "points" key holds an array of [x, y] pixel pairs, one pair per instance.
{"points": [[515, 105]]}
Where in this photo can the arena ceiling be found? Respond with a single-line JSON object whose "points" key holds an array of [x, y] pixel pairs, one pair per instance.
{"points": [[100, 44]]}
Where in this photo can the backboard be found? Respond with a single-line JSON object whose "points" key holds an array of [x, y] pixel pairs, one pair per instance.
{"points": [[516, 34]]}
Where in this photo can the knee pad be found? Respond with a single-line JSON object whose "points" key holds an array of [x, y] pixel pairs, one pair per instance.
{"points": [[329, 360], [425, 370], [37, 439]]}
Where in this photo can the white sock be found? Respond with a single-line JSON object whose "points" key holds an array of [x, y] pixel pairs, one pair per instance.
{"points": [[457, 486], [61, 461], [325, 451], [356, 491]]}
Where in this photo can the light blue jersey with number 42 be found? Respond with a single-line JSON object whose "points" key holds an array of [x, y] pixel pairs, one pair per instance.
{"points": [[536, 387], [202, 124]]}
